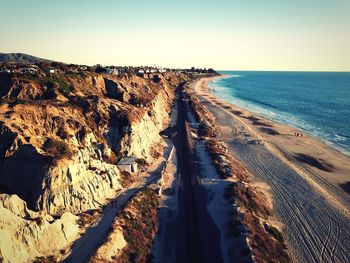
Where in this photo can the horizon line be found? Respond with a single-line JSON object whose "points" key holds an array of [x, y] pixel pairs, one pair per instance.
{"points": [[252, 70], [278, 70]]}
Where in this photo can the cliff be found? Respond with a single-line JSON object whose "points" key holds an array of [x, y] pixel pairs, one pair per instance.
{"points": [[61, 136]]}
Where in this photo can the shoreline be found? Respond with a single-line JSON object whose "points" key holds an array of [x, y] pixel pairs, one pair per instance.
{"points": [[302, 177], [317, 162], [309, 133]]}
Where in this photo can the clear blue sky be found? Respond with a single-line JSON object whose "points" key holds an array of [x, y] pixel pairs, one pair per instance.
{"points": [[224, 34]]}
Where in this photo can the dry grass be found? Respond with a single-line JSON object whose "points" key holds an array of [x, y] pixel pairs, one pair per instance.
{"points": [[225, 164], [266, 245], [139, 223], [267, 242], [49, 259], [57, 149], [85, 220], [207, 125], [126, 179]]}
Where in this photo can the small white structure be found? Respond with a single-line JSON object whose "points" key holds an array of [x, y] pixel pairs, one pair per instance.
{"points": [[128, 164], [112, 71]]}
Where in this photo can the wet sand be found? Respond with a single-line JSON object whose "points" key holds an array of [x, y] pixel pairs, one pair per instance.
{"points": [[305, 177]]}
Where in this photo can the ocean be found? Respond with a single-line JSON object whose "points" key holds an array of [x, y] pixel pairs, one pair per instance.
{"points": [[316, 102]]}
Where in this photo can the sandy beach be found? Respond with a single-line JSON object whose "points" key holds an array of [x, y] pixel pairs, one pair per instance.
{"points": [[303, 153], [306, 178]]}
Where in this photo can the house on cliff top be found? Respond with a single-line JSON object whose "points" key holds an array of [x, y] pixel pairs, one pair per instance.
{"points": [[112, 71]]}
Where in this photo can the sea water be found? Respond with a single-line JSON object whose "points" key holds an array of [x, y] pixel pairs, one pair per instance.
{"points": [[315, 102]]}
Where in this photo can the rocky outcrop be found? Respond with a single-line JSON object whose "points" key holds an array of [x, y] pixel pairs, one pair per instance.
{"points": [[84, 182], [26, 235]]}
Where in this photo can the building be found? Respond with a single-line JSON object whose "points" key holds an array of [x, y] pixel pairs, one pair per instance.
{"points": [[128, 164], [112, 71], [51, 71], [31, 70]]}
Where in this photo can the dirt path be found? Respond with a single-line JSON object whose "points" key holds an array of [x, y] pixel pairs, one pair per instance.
{"points": [[315, 229], [84, 247]]}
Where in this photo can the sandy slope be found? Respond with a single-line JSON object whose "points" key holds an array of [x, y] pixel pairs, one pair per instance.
{"points": [[304, 175], [220, 209]]}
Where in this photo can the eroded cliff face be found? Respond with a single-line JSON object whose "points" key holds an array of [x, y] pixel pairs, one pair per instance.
{"points": [[84, 182], [26, 235], [63, 153], [60, 139]]}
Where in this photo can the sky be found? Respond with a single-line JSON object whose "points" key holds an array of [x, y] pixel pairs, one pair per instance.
{"points": [[303, 35]]}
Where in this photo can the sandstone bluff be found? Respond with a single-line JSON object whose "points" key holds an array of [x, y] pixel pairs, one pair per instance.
{"points": [[60, 138]]}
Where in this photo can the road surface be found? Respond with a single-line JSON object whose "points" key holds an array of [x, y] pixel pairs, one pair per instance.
{"points": [[198, 239]]}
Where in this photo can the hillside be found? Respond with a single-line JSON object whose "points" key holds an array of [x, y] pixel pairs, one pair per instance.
{"points": [[20, 57], [61, 136]]}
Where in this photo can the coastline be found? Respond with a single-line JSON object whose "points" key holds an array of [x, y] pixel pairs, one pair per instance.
{"points": [[300, 127], [302, 152], [302, 176]]}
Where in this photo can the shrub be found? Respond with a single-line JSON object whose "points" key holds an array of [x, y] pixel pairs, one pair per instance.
{"points": [[57, 148], [207, 125], [85, 220], [126, 179], [276, 234], [112, 158], [57, 83], [66, 90], [49, 259], [141, 162]]}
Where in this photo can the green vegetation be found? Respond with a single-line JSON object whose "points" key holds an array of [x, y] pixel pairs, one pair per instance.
{"points": [[66, 90], [63, 86], [51, 81]]}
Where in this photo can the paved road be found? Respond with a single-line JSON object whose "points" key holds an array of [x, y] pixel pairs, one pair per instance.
{"points": [[316, 231], [198, 239]]}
